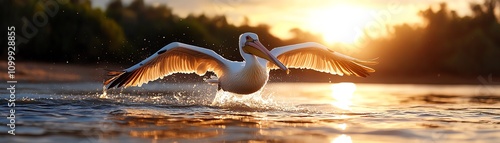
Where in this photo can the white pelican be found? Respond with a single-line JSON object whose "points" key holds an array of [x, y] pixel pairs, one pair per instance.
{"points": [[243, 77]]}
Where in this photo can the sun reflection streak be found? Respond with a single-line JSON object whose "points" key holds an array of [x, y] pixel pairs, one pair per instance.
{"points": [[342, 139], [342, 126], [343, 93]]}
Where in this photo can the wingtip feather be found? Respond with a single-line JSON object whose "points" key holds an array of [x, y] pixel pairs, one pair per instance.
{"points": [[367, 62], [111, 81]]}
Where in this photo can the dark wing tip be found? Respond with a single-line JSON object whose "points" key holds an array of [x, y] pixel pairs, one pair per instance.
{"points": [[115, 79]]}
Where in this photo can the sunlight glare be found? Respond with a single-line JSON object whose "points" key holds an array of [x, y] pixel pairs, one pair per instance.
{"points": [[340, 23], [342, 126], [343, 93], [342, 139]]}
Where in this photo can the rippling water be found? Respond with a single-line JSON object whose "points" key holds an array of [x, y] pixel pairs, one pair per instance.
{"points": [[282, 112]]}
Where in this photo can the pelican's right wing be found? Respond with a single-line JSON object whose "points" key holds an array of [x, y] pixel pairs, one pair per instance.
{"points": [[317, 57], [173, 58]]}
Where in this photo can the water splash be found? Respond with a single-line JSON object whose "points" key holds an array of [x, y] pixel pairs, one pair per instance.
{"points": [[250, 102], [104, 94], [192, 95]]}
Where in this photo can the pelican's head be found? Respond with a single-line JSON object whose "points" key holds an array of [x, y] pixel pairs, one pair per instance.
{"points": [[250, 47]]}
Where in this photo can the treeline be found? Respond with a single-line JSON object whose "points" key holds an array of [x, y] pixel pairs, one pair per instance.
{"points": [[78, 33], [448, 44], [125, 34]]}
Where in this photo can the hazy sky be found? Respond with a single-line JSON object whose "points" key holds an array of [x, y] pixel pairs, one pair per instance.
{"points": [[336, 20]]}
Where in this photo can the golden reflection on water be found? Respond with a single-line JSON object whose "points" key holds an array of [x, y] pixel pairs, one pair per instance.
{"points": [[343, 93], [342, 139], [342, 126]]}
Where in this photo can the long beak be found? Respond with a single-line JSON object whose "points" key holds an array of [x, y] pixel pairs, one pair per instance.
{"points": [[261, 51]]}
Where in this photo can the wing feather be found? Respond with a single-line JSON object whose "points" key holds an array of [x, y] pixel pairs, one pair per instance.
{"points": [[173, 58], [318, 57]]}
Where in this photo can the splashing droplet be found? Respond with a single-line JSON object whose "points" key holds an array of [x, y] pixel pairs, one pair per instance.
{"points": [[252, 102], [104, 93]]}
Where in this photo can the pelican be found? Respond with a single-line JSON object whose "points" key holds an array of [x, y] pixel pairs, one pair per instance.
{"points": [[241, 77]]}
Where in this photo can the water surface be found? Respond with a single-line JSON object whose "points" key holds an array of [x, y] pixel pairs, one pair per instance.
{"points": [[282, 112]]}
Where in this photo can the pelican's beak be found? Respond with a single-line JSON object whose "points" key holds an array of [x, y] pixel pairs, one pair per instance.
{"points": [[256, 48]]}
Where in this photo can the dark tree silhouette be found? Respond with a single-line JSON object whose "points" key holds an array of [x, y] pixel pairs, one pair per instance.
{"points": [[448, 43]]}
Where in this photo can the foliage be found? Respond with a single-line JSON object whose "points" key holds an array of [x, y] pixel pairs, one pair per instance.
{"points": [[126, 34], [447, 44], [76, 33]]}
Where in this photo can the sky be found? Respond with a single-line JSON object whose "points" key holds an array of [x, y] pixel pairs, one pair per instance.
{"points": [[338, 21]]}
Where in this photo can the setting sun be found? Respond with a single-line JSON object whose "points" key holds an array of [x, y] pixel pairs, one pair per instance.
{"points": [[339, 23]]}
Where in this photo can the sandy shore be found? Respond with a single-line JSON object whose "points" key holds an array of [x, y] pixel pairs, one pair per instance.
{"points": [[67, 72], [56, 72]]}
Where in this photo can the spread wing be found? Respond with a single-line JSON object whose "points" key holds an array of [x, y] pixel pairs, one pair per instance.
{"points": [[173, 58], [318, 57]]}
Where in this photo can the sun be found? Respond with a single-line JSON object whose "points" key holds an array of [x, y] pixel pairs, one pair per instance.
{"points": [[340, 23]]}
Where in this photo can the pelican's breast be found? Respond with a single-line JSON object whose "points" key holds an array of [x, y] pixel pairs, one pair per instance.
{"points": [[246, 80]]}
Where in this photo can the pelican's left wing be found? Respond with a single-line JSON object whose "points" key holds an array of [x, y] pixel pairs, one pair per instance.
{"points": [[173, 58], [318, 57]]}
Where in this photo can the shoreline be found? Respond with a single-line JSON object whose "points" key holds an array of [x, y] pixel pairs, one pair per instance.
{"points": [[40, 72]]}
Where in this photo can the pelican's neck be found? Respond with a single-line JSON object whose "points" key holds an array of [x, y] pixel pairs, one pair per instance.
{"points": [[253, 69], [250, 61]]}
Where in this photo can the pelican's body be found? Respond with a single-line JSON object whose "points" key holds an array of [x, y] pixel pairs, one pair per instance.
{"points": [[243, 77]]}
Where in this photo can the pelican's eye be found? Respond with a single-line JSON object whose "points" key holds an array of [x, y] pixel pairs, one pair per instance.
{"points": [[250, 39]]}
